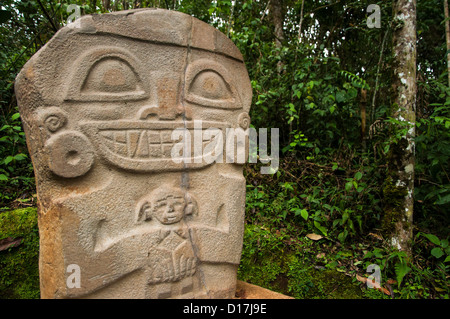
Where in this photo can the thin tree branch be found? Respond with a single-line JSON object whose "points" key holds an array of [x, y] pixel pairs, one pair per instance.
{"points": [[321, 7], [300, 23], [447, 37], [47, 16], [372, 109], [264, 12]]}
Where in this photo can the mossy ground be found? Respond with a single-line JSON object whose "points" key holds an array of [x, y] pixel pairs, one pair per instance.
{"points": [[273, 260], [19, 270]]}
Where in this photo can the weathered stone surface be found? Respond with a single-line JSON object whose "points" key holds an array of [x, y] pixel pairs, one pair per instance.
{"points": [[100, 103]]}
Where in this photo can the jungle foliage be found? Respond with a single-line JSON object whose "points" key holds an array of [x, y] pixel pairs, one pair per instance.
{"points": [[328, 88]]}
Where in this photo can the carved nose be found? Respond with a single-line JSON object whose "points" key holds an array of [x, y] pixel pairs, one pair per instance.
{"points": [[162, 113], [169, 107]]}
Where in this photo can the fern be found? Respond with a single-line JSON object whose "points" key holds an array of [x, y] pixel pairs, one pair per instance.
{"points": [[401, 270], [355, 80]]}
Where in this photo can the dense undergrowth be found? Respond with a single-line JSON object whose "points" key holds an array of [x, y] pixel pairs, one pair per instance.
{"points": [[279, 253]]}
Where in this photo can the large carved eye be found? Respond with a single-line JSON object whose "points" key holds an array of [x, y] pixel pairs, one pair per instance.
{"points": [[106, 75], [111, 75], [209, 84]]}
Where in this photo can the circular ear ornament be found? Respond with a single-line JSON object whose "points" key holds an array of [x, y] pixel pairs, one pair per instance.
{"points": [[244, 121], [53, 118], [70, 154], [54, 122]]}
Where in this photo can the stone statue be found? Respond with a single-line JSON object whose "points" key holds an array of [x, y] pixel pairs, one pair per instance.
{"points": [[104, 104]]}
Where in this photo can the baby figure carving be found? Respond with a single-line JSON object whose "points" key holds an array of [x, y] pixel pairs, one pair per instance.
{"points": [[174, 257]]}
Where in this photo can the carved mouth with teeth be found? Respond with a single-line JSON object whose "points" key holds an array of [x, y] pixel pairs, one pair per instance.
{"points": [[148, 146]]}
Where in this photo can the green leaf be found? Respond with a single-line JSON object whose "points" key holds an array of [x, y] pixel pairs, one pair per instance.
{"points": [[3, 177], [332, 108], [8, 160], [15, 116], [432, 238], [342, 236], [377, 253], [20, 157], [447, 250], [437, 252], [368, 255], [340, 96], [304, 214], [344, 217], [443, 200], [447, 259], [336, 221], [358, 176], [348, 186], [350, 224], [322, 229]]}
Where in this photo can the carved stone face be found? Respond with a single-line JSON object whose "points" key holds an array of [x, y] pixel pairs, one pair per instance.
{"points": [[169, 209], [99, 103]]}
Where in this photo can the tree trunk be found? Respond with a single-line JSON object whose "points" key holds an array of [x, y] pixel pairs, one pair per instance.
{"points": [[276, 10], [300, 23], [363, 112], [447, 37], [399, 186], [106, 5]]}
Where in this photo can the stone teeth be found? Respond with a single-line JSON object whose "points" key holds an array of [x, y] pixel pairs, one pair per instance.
{"points": [[143, 143]]}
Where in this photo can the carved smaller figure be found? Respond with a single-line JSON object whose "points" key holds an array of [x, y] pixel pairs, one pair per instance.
{"points": [[173, 259]]}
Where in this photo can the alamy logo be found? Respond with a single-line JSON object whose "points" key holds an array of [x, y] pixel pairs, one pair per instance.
{"points": [[374, 20], [192, 148], [74, 279], [76, 13], [374, 280]]}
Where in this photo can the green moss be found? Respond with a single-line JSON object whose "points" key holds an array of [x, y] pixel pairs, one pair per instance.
{"points": [[260, 262], [19, 270], [394, 197], [266, 263], [307, 282]]}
